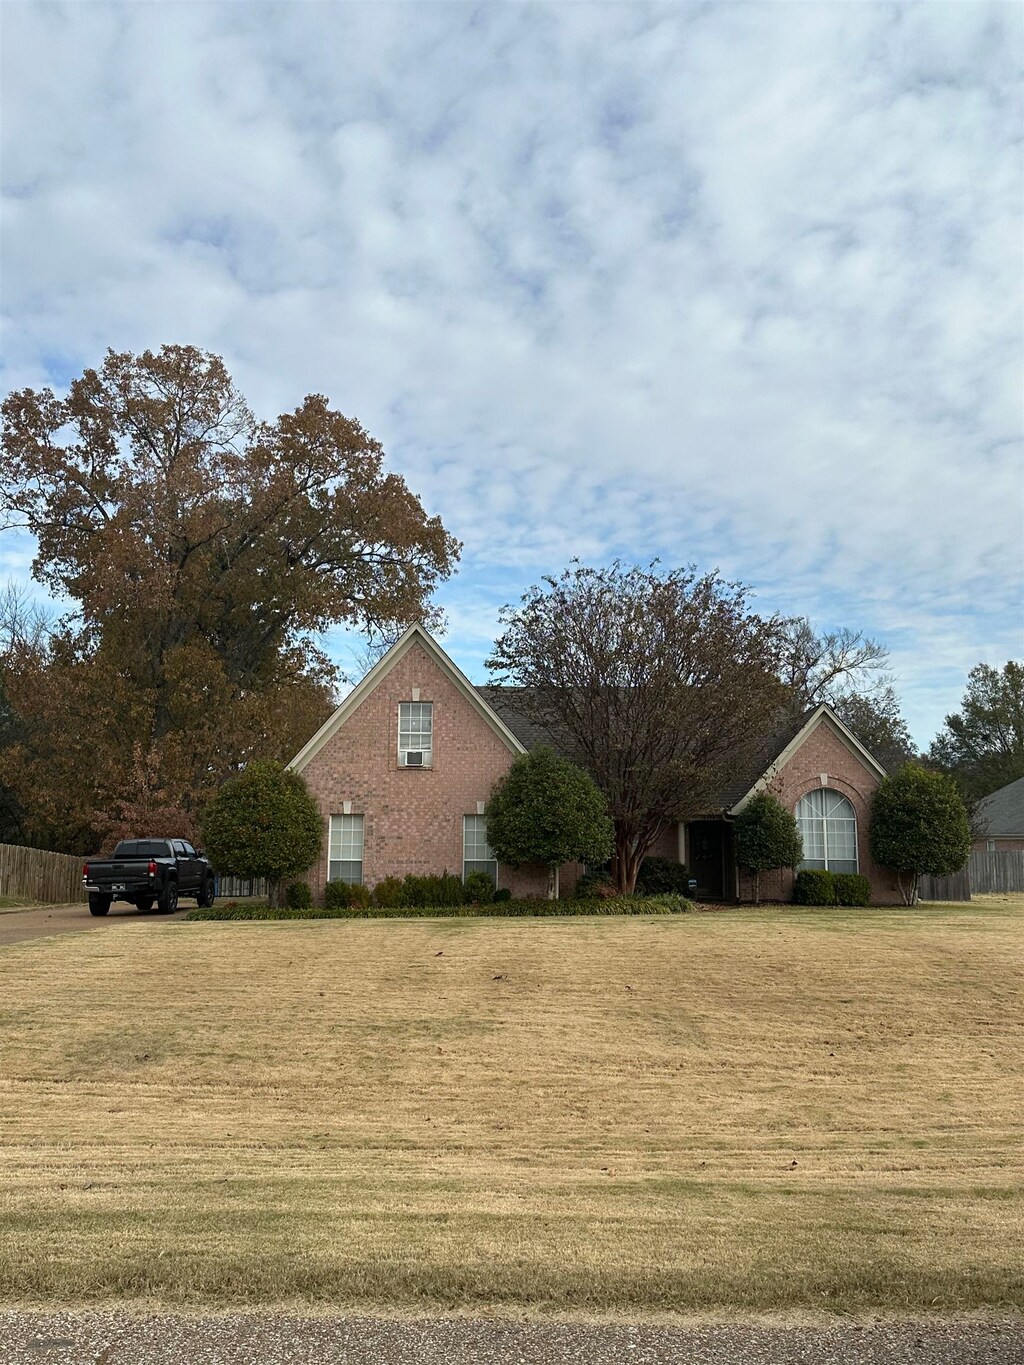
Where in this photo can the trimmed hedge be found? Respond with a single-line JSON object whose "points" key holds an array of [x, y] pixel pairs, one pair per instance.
{"points": [[814, 886], [851, 888], [624, 905], [659, 876]]}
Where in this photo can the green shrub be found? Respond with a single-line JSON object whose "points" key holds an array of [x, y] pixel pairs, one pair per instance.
{"points": [[263, 823], [767, 838], [814, 886], [596, 885], [298, 896], [619, 905], [438, 891], [501, 895], [673, 902], [919, 825], [851, 888], [388, 892], [336, 896], [340, 895], [659, 876], [479, 889]]}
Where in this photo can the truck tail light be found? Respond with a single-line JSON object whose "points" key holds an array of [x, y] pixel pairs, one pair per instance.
{"points": [[85, 871], [152, 868]]}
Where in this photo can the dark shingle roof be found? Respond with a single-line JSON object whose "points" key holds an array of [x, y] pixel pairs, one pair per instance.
{"points": [[748, 766], [1001, 815]]}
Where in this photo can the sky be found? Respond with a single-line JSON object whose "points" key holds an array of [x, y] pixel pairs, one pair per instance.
{"points": [[725, 284]]}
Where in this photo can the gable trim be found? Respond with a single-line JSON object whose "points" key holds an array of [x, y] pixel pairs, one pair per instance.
{"points": [[413, 636], [824, 715]]}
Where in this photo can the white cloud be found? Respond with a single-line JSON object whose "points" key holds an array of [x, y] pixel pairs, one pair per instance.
{"points": [[738, 284]]}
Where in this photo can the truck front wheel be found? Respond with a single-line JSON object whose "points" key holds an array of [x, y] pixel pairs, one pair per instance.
{"points": [[99, 905], [167, 901], [207, 894]]}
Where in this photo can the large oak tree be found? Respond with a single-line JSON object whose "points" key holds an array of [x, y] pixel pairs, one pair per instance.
{"points": [[203, 550], [653, 681]]}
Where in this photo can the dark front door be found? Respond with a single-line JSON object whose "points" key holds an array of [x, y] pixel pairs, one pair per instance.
{"points": [[706, 846]]}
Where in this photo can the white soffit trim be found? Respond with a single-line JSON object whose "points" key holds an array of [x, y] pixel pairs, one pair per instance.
{"points": [[413, 636], [824, 715]]}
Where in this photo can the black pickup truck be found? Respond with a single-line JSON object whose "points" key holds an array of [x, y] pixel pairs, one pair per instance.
{"points": [[148, 871]]}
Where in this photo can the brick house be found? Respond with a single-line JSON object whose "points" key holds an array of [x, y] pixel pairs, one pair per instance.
{"points": [[999, 820], [403, 769]]}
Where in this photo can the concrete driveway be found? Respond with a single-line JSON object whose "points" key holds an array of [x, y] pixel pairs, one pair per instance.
{"points": [[44, 920]]}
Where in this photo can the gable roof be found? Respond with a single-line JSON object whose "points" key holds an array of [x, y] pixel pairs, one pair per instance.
{"points": [[753, 767], [821, 715], [415, 635], [1001, 814]]}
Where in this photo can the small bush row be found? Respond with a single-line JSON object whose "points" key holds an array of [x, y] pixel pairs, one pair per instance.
{"points": [[392, 893], [668, 904], [657, 877], [814, 886]]}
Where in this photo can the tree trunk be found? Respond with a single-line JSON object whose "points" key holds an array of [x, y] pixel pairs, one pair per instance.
{"points": [[553, 882], [908, 892], [626, 864]]}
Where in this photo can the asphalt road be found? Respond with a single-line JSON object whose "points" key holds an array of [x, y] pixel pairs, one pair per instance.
{"points": [[18, 925], [121, 1339]]}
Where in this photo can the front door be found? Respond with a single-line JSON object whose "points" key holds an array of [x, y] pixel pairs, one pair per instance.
{"points": [[705, 841]]}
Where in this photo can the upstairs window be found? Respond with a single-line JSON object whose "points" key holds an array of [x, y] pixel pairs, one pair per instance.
{"points": [[477, 855], [415, 734], [345, 852], [828, 826]]}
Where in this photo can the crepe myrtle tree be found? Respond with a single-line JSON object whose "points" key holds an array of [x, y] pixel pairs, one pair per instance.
{"points": [[263, 823], [547, 810], [653, 681], [919, 824], [767, 838]]}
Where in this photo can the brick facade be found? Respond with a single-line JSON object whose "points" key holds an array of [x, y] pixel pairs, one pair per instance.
{"points": [[412, 817], [824, 752]]}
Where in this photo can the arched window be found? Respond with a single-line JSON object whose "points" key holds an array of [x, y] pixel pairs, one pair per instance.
{"points": [[828, 826]]}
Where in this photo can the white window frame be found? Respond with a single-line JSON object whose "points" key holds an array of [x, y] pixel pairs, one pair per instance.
{"points": [[825, 820], [488, 865], [342, 825], [412, 733]]}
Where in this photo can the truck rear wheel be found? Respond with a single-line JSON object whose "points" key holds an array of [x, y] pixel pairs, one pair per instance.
{"points": [[167, 901], [99, 905]]}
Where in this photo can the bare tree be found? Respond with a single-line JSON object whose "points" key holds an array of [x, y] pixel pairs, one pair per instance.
{"points": [[832, 665], [650, 681]]}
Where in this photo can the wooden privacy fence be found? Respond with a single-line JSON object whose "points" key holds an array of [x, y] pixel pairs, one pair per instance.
{"points": [[999, 871], [1002, 871], [229, 888], [36, 874]]}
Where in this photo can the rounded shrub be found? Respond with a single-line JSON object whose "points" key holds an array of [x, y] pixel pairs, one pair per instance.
{"points": [[661, 876], [388, 892], [298, 896], [479, 889], [502, 895], [851, 888], [814, 886]]}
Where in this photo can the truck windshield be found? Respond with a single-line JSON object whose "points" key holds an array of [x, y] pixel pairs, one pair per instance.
{"points": [[142, 848]]}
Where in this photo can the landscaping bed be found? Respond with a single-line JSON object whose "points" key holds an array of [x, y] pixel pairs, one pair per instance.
{"points": [[511, 909]]}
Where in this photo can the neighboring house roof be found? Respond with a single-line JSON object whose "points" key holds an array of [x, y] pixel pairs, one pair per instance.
{"points": [[415, 635], [1001, 815]]}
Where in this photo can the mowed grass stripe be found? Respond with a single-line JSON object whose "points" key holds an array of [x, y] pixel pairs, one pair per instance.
{"points": [[760, 1109]]}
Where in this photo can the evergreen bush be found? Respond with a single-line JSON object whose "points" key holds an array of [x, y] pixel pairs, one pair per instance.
{"points": [[814, 886], [658, 876], [851, 888], [479, 889], [298, 896]]}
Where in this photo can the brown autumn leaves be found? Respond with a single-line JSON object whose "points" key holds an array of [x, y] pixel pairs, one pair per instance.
{"points": [[199, 550]]}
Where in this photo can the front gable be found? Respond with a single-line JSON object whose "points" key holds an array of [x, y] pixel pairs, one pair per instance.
{"points": [[415, 638]]}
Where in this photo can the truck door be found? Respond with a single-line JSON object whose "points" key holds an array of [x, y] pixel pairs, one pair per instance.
{"points": [[185, 858]]}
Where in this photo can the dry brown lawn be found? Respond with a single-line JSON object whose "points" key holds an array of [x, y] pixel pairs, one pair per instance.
{"points": [[755, 1110]]}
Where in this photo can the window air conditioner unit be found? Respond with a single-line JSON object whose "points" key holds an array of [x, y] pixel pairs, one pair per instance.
{"points": [[414, 758]]}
